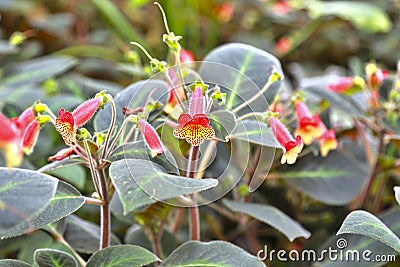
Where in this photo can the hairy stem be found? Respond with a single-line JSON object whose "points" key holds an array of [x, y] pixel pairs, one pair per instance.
{"points": [[105, 224], [194, 210]]}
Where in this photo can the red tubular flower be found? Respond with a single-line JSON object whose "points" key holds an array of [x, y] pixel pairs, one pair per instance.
{"points": [[30, 137], [62, 154], [68, 122], [375, 76], [282, 7], [224, 11], [327, 141], [292, 147], [196, 105], [194, 129], [151, 137], [283, 45], [18, 135], [308, 125], [186, 56], [341, 85], [346, 85]]}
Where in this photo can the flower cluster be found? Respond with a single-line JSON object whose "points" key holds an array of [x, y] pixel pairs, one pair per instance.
{"points": [[309, 128]]}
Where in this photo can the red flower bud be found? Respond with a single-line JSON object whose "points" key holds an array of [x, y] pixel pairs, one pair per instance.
{"points": [[84, 112], [62, 154], [151, 137], [283, 46], [186, 56], [30, 137]]}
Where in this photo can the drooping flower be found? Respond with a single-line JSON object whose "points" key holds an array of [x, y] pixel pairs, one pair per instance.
{"points": [[68, 122], [151, 138], [292, 147], [186, 56], [282, 7], [194, 127], [375, 76], [18, 135], [308, 125], [283, 45], [346, 85], [62, 154], [224, 11], [327, 141]]}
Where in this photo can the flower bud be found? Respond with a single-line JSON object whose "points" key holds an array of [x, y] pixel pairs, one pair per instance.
{"points": [[151, 138]]}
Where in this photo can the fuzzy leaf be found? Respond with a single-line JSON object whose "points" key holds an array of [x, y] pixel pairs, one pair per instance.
{"points": [[122, 256], [364, 223], [66, 201], [212, 254], [142, 182], [271, 216], [53, 257], [241, 70], [23, 193]]}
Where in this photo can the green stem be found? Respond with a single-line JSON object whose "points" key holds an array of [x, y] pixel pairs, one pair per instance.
{"points": [[57, 236], [110, 129], [256, 96]]}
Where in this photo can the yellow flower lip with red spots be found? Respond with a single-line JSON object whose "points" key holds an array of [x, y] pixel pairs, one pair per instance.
{"points": [[309, 125], [194, 129], [68, 122]]}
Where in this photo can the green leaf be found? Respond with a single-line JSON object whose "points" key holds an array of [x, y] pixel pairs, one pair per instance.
{"points": [[84, 236], [271, 216], [54, 258], [223, 123], [117, 20], [364, 223], [13, 263], [364, 16], [336, 100], [211, 254], [65, 201], [241, 70], [74, 174], [73, 160], [36, 70], [141, 182], [255, 132], [139, 150], [133, 96], [350, 243], [122, 256], [135, 235], [335, 180], [397, 193], [23, 193]]}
